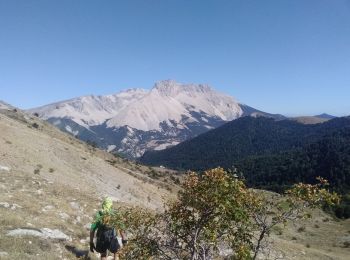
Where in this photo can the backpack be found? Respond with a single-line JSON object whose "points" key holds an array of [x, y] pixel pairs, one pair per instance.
{"points": [[106, 233]]}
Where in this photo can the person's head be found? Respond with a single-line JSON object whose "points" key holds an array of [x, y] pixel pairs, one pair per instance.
{"points": [[107, 204]]}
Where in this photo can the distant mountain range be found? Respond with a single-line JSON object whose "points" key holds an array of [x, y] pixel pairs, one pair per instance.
{"points": [[240, 139], [137, 120], [325, 116]]}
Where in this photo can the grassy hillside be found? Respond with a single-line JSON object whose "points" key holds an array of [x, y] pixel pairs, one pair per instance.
{"points": [[49, 179], [310, 120]]}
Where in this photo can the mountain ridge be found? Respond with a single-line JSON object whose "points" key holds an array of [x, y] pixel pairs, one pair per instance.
{"points": [[240, 138], [133, 121]]}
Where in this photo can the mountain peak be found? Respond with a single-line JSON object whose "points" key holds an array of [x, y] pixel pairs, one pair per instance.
{"points": [[165, 115], [325, 116], [171, 87]]}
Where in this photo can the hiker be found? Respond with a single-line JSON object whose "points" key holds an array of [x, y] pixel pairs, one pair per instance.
{"points": [[106, 236]]}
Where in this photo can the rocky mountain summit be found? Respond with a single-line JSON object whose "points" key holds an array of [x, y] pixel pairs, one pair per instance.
{"points": [[136, 120]]}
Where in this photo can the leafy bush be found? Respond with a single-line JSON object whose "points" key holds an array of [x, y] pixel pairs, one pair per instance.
{"points": [[216, 210], [343, 209], [301, 229]]}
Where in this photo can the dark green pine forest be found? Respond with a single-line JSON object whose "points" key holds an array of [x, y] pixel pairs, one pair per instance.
{"points": [[270, 154]]}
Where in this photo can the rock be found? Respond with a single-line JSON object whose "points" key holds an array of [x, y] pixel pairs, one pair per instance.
{"points": [[344, 240], [77, 220], [63, 215], [25, 232], [15, 206], [55, 234], [74, 205], [87, 226], [43, 233], [4, 204], [37, 182], [4, 168], [47, 208], [3, 254]]}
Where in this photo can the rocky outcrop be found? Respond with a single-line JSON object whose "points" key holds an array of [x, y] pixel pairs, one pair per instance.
{"points": [[43, 233]]}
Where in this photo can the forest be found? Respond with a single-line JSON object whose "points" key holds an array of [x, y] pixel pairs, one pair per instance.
{"points": [[270, 154]]}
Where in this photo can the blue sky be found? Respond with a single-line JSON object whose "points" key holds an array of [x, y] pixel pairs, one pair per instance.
{"points": [[282, 56]]}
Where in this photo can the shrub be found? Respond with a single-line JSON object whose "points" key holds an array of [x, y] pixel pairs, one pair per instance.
{"points": [[37, 169], [301, 229], [215, 209]]}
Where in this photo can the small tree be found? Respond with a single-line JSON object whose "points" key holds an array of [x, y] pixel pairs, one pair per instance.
{"points": [[216, 210], [279, 209]]}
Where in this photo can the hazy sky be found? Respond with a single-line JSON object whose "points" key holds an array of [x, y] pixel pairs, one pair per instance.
{"points": [[282, 56]]}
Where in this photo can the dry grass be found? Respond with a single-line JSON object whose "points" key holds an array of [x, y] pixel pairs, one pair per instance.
{"points": [[49, 178], [20, 189]]}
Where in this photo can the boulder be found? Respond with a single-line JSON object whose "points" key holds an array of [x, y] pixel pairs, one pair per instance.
{"points": [[4, 204], [5, 168], [43, 233]]}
